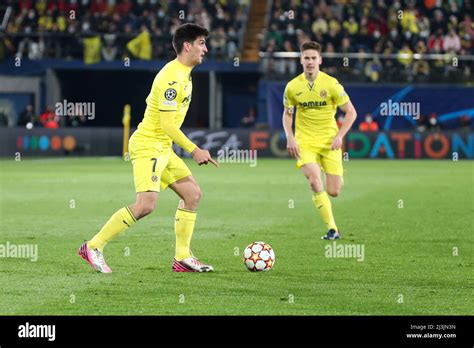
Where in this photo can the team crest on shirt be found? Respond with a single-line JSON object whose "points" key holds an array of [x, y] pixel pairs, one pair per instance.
{"points": [[323, 93], [170, 94], [154, 178]]}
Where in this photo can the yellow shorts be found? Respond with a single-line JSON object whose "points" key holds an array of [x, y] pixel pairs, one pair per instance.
{"points": [[330, 161], [154, 168]]}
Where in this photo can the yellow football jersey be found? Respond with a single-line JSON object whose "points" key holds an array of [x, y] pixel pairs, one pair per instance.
{"points": [[171, 91], [316, 105]]}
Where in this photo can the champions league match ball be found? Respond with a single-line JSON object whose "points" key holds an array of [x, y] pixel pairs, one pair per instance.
{"points": [[259, 256]]}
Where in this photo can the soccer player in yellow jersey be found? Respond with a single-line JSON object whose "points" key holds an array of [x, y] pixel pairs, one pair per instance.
{"points": [[155, 165], [317, 141]]}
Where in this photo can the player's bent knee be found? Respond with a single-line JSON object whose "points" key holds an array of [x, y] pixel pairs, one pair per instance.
{"points": [[144, 206], [192, 198], [315, 183], [333, 192], [145, 209], [196, 195]]}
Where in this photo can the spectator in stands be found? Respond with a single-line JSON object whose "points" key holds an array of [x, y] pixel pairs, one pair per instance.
{"points": [[330, 64], [79, 119], [405, 55], [288, 66], [48, 119], [465, 122], [218, 44], [346, 46], [409, 22], [333, 37], [435, 42], [452, 42], [421, 71], [275, 34], [305, 23], [368, 125], [320, 25], [34, 28], [467, 26], [4, 120], [7, 48], [75, 19], [373, 69], [28, 118], [291, 34], [424, 27], [248, 121], [359, 65], [109, 51], [268, 64], [421, 123], [335, 23], [405, 60], [232, 43], [351, 26], [438, 24], [421, 68], [32, 48], [432, 123]]}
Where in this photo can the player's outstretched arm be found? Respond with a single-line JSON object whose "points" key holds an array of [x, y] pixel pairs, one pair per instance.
{"points": [[169, 127], [291, 144], [349, 118]]}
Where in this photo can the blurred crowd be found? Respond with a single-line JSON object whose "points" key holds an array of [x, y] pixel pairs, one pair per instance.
{"points": [[108, 30], [48, 119], [375, 26]]}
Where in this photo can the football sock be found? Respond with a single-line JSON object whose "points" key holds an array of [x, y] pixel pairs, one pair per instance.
{"points": [[323, 204], [184, 227], [119, 222]]}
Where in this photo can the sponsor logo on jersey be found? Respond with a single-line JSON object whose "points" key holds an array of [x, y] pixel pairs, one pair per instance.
{"points": [[313, 104]]}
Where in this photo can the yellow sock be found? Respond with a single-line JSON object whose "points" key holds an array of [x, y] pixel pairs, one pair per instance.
{"points": [[323, 204], [119, 222], [184, 227]]}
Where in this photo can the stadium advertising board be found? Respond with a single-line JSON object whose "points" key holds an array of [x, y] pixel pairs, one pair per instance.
{"points": [[107, 142]]}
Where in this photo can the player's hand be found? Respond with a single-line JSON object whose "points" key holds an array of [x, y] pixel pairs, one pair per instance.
{"points": [[292, 148], [336, 143], [203, 157]]}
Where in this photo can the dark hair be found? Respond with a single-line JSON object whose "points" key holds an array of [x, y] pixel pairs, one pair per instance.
{"points": [[311, 45], [187, 33]]}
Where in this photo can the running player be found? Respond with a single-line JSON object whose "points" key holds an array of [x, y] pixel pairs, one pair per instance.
{"points": [[317, 141]]}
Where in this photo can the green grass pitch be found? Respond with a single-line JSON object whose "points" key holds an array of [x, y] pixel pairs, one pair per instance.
{"points": [[414, 219]]}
